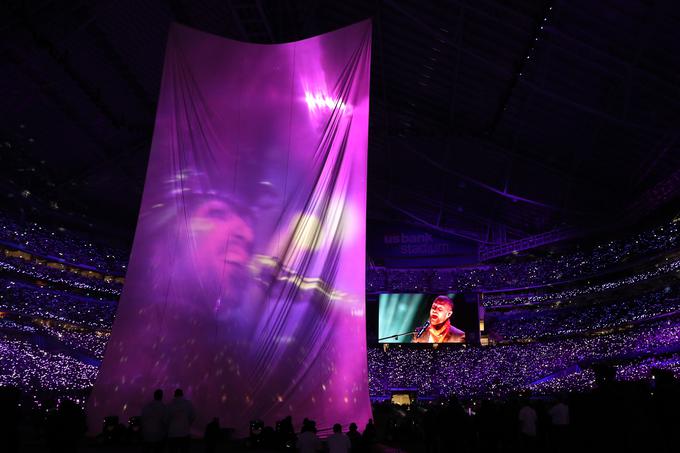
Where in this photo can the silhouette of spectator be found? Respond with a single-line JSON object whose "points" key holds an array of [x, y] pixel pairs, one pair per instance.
{"points": [[212, 435], [369, 434], [559, 425], [354, 437], [65, 427], [285, 426], [154, 416], [528, 419], [452, 423], [338, 442], [181, 415], [307, 441], [9, 418], [285, 432], [664, 403]]}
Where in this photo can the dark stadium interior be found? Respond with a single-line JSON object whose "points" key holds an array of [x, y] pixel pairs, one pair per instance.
{"points": [[519, 117], [526, 152]]}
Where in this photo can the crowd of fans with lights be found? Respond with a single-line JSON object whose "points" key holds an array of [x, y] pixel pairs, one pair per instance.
{"points": [[548, 338]]}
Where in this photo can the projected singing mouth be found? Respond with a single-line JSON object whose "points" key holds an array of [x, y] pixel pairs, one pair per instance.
{"points": [[238, 252]]}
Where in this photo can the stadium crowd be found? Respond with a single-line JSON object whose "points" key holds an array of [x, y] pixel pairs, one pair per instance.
{"points": [[664, 271], [57, 277], [62, 244], [531, 272], [500, 370], [21, 298], [568, 317], [55, 325]]}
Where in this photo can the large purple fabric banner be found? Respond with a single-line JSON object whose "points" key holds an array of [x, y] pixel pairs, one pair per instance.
{"points": [[246, 281]]}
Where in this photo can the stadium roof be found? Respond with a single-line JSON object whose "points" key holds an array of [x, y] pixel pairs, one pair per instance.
{"points": [[489, 119]]}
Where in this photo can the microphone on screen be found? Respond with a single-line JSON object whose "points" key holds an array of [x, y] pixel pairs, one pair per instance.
{"points": [[423, 329]]}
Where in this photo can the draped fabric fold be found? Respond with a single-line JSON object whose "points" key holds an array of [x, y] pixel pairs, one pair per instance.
{"points": [[246, 281]]}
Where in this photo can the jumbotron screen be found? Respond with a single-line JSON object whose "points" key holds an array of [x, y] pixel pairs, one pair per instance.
{"points": [[451, 318]]}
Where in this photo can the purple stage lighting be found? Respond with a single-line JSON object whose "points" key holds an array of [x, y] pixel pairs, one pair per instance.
{"points": [[246, 282]]}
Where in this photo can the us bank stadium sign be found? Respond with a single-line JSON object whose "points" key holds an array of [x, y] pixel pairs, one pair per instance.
{"points": [[415, 244]]}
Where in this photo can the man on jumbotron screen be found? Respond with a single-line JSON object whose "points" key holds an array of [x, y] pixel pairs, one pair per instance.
{"points": [[439, 329]]}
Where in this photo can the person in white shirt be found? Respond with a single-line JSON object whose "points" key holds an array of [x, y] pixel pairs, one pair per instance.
{"points": [[181, 415], [527, 426], [154, 415], [559, 414], [307, 441], [338, 442], [559, 426]]}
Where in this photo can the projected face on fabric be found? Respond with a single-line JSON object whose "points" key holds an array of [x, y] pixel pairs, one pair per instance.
{"points": [[223, 239], [203, 280], [242, 287]]}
